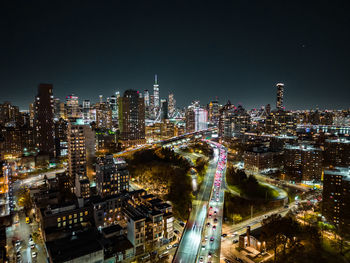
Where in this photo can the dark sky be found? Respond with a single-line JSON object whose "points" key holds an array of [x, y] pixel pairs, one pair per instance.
{"points": [[235, 50]]}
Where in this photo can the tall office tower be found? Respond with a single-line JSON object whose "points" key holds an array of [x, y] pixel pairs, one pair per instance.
{"points": [[113, 105], [72, 107], [336, 197], [112, 176], [280, 91], [80, 148], [9, 113], [171, 105], [146, 97], [156, 92], [213, 112], [268, 109], [86, 111], [196, 118], [100, 97], [43, 120], [31, 114], [103, 116], [56, 108], [164, 109], [132, 118]]}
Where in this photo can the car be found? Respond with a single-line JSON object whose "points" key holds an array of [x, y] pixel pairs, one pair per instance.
{"points": [[224, 235], [208, 224], [182, 224], [212, 239], [169, 247], [239, 260], [34, 254], [203, 247], [235, 241], [201, 259], [214, 227], [215, 220], [206, 238], [217, 199], [227, 260], [215, 212], [176, 245], [32, 246], [209, 254]]}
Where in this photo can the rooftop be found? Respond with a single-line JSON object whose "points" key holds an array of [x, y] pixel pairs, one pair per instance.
{"points": [[302, 147], [67, 249], [342, 171]]}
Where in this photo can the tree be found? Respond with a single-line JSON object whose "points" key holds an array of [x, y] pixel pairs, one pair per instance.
{"points": [[237, 218]]}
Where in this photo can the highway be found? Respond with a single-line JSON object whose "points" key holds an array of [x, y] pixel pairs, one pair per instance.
{"points": [[191, 238], [211, 238], [191, 241]]}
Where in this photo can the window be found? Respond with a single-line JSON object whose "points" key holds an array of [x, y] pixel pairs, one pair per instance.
{"points": [[59, 225], [64, 218], [70, 222], [58, 219], [86, 213], [70, 216], [75, 215]]}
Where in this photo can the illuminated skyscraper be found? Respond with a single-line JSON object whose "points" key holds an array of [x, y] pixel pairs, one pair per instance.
{"points": [[72, 106], [164, 109], [171, 105], [280, 91], [132, 118], [156, 92], [196, 118], [43, 120], [146, 97], [86, 111]]}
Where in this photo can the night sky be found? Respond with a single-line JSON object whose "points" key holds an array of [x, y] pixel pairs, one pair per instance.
{"points": [[235, 50]]}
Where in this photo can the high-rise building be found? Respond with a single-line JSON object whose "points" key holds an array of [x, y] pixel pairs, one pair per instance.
{"points": [[171, 105], [303, 162], [196, 118], [336, 197], [114, 107], [72, 107], [132, 118], [86, 111], [213, 112], [156, 92], [164, 109], [43, 120], [112, 176], [146, 97], [80, 137], [280, 91]]}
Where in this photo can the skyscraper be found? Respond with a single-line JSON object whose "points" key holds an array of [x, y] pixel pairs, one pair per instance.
{"points": [[80, 147], [280, 91], [132, 118], [43, 120], [171, 104], [146, 97], [72, 106], [156, 92], [164, 109], [86, 111], [114, 107], [196, 118]]}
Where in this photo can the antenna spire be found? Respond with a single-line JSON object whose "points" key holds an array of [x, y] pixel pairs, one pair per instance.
{"points": [[155, 79]]}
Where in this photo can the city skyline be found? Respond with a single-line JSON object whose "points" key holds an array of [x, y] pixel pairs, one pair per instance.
{"points": [[235, 52]]}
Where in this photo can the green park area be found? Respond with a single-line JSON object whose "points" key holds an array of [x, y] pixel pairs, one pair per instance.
{"points": [[248, 186], [166, 173], [295, 242]]}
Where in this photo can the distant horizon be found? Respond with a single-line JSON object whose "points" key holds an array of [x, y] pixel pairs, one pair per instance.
{"points": [[235, 50]]}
